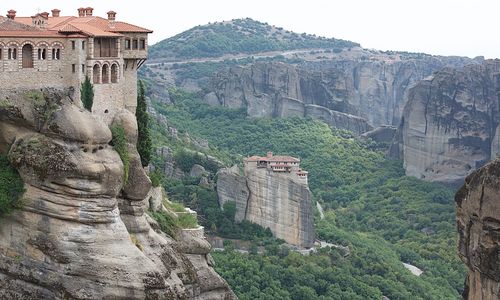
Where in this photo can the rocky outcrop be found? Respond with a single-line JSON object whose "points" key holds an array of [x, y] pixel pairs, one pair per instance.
{"points": [[275, 201], [82, 232], [383, 134], [478, 224], [350, 94], [232, 187], [450, 123]]}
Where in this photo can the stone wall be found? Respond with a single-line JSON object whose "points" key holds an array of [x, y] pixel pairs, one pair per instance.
{"points": [[108, 97]]}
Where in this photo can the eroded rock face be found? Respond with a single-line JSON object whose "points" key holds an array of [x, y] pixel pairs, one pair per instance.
{"points": [[82, 232], [449, 124], [275, 201], [478, 224], [351, 94]]}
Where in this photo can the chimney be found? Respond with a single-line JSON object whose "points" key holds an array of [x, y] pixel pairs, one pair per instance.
{"points": [[88, 11], [55, 12], [11, 14], [44, 15], [111, 15], [81, 12], [269, 154]]}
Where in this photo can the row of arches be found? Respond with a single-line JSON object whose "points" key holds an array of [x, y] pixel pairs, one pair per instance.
{"points": [[105, 73], [27, 52]]}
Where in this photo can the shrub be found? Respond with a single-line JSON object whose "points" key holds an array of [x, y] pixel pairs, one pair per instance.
{"points": [[11, 187], [168, 223], [119, 143], [87, 94], [187, 221], [156, 178], [144, 144]]}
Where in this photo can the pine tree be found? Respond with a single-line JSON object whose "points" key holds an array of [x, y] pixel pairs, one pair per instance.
{"points": [[144, 145], [87, 94]]}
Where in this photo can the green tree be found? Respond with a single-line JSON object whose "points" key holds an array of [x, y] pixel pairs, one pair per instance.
{"points": [[87, 94], [144, 145]]}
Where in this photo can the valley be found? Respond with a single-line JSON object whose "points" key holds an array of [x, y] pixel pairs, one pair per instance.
{"points": [[242, 161]]}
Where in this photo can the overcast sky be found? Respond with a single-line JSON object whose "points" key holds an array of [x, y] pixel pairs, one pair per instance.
{"points": [[447, 27]]}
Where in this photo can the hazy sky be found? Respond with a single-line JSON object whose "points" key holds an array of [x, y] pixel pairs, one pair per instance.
{"points": [[447, 27]]}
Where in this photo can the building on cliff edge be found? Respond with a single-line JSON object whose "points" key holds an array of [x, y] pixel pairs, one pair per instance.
{"points": [[285, 165], [273, 192], [51, 50]]}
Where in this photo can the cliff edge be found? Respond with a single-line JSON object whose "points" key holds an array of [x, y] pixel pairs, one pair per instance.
{"points": [[82, 232], [478, 224], [275, 196], [450, 124]]}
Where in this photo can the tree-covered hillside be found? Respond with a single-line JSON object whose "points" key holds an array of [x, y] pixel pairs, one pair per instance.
{"points": [[238, 36], [384, 217]]}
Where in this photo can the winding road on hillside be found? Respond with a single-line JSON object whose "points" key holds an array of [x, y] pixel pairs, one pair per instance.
{"points": [[287, 53]]}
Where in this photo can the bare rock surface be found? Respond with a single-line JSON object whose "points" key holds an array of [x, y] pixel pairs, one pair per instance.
{"points": [[82, 232], [478, 224], [275, 201], [449, 125], [354, 94]]}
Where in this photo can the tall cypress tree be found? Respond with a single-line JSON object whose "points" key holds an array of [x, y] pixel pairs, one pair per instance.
{"points": [[87, 94], [144, 145]]}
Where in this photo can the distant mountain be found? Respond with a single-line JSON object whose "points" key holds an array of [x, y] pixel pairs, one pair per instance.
{"points": [[238, 36]]}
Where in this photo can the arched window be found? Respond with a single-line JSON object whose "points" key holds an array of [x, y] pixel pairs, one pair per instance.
{"points": [[27, 56], [114, 73], [12, 53], [42, 54], [96, 72], [105, 74], [56, 53]]}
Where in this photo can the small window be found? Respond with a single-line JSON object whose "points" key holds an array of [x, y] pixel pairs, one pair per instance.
{"points": [[83, 68], [56, 54], [134, 44], [73, 45], [83, 45], [12, 53], [127, 44], [42, 54], [73, 68], [1, 56], [142, 44]]}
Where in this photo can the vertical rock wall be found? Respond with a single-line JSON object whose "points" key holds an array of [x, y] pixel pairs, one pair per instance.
{"points": [[276, 201], [478, 224]]}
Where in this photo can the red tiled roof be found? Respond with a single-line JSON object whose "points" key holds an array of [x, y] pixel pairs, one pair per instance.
{"points": [[90, 26], [11, 25], [279, 158], [276, 158]]}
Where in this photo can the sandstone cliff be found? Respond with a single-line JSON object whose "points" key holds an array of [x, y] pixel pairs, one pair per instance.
{"points": [[82, 232], [351, 94], [450, 123], [478, 224], [275, 201]]}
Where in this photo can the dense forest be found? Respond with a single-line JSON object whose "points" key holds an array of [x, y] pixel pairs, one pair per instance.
{"points": [[384, 217], [238, 36]]}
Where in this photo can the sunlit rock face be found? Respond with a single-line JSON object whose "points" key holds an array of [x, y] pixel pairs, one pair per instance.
{"points": [[478, 223], [450, 123], [82, 232], [278, 201], [356, 94]]}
